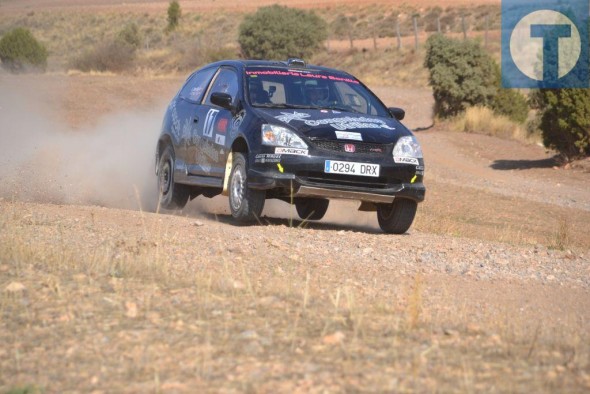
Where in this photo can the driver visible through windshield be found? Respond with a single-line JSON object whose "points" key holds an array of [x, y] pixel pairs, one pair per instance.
{"points": [[312, 89]]}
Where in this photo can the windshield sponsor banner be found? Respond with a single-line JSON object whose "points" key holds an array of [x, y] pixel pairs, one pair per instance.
{"points": [[301, 74]]}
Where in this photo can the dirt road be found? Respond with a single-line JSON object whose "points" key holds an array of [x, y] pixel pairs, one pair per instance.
{"points": [[489, 291]]}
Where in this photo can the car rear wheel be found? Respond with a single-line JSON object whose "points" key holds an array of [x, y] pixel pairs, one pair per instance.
{"points": [[245, 204], [171, 195], [397, 217], [311, 208]]}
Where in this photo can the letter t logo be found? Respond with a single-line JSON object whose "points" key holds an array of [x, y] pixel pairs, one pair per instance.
{"points": [[551, 35]]}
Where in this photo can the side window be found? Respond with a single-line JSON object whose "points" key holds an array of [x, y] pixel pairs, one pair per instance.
{"points": [[225, 82], [196, 86]]}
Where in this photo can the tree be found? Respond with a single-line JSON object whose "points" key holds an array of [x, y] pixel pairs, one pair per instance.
{"points": [[174, 14], [20, 51], [461, 75], [565, 120], [278, 32]]}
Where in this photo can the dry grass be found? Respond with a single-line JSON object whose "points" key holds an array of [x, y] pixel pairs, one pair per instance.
{"points": [[100, 305], [461, 211], [483, 120]]}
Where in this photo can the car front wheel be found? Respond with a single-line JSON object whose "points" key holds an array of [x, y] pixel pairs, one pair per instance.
{"points": [[397, 217], [245, 204], [171, 195], [311, 208]]}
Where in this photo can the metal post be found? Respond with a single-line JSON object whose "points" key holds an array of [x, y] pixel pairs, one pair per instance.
{"points": [[399, 36], [464, 27], [487, 30], [416, 30]]}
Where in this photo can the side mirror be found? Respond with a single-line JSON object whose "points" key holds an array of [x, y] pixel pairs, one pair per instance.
{"points": [[222, 100], [397, 113]]}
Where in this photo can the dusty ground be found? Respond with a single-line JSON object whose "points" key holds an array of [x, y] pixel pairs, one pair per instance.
{"points": [[489, 291]]}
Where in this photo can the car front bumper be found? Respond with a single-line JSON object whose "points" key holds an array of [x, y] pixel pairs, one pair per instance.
{"points": [[304, 176]]}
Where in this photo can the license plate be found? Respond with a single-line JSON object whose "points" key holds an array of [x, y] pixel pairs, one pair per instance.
{"points": [[351, 168]]}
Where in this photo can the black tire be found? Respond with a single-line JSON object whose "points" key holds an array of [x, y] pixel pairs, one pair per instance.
{"points": [[245, 204], [397, 217], [311, 208], [171, 195]]}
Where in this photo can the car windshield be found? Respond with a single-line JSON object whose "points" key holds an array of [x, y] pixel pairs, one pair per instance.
{"points": [[270, 87]]}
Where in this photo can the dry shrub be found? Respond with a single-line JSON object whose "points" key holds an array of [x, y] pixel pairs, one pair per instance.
{"points": [[201, 52], [483, 120], [112, 56]]}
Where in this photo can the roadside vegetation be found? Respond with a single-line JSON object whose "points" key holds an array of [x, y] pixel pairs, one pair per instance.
{"points": [[466, 84], [279, 32], [20, 51], [383, 45]]}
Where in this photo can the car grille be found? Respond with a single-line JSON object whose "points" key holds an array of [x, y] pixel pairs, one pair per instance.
{"points": [[364, 148], [323, 179]]}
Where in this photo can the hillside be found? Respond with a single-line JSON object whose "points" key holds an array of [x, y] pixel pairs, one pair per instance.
{"points": [[362, 37]]}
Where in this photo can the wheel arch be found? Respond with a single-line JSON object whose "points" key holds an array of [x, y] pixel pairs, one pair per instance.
{"points": [[164, 141], [240, 145]]}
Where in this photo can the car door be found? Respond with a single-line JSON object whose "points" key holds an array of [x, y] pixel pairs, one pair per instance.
{"points": [[212, 143], [186, 112]]}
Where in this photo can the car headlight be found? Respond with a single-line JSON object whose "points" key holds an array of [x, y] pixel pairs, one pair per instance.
{"points": [[281, 136], [407, 150]]}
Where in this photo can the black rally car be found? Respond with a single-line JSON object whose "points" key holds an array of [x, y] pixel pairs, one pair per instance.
{"points": [[303, 134]]}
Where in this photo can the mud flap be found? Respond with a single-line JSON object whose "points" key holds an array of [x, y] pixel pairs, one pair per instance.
{"points": [[367, 207], [228, 166]]}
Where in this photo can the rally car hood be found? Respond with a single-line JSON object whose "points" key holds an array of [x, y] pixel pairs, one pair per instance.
{"points": [[318, 124]]}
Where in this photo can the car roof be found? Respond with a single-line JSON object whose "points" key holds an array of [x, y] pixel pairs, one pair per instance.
{"points": [[241, 64]]}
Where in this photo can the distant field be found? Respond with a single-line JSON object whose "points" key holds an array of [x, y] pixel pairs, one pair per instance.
{"points": [[200, 5]]}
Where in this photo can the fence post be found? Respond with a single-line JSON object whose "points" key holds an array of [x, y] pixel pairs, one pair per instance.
{"points": [[463, 26], [399, 36], [416, 30], [438, 24], [374, 38], [487, 30]]}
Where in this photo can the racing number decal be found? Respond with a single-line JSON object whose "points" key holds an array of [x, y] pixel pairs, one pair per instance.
{"points": [[209, 122]]}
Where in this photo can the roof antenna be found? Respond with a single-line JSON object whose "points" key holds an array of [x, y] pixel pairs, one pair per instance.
{"points": [[296, 62]]}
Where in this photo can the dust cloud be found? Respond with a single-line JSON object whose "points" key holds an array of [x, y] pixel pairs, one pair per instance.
{"points": [[110, 164], [44, 160]]}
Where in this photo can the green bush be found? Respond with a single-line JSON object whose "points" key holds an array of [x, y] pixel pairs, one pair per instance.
{"points": [[278, 32], [565, 120], [174, 14], [509, 102], [20, 51], [512, 104], [461, 75]]}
